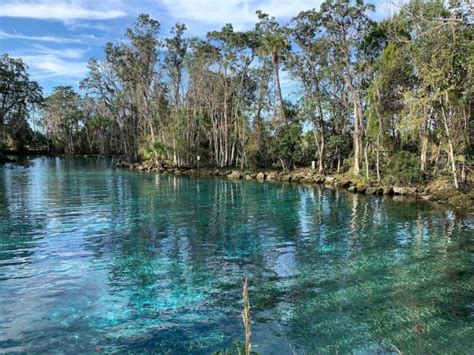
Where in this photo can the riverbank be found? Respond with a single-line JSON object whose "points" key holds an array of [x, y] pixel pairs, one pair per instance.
{"points": [[438, 192]]}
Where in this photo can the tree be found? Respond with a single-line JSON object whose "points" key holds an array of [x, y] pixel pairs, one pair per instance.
{"points": [[273, 42], [345, 24], [308, 62], [62, 118], [19, 96]]}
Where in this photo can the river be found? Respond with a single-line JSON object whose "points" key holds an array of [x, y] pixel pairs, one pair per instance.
{"points": [[95, 259]]}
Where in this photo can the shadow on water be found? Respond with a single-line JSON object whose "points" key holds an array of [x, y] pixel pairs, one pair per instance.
{"points": [[97, 259]]}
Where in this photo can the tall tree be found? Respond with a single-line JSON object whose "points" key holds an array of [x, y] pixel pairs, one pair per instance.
{"points": [[19, 96], [346, 23], [273, 42], [62, 118]]}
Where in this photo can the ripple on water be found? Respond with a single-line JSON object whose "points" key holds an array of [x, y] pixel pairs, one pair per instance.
{"points": [[95, 259]]}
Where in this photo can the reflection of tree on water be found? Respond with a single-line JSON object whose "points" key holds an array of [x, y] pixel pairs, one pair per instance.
{"points": [[160, 261], [390, 286]]}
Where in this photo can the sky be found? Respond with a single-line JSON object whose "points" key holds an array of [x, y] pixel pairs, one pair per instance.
{"points": [[56, 38]]}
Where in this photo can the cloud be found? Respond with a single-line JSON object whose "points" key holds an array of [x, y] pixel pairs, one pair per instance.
{"points": [[241, 13], [70, 53], [53, 39], [62, 11], [44, 66]]}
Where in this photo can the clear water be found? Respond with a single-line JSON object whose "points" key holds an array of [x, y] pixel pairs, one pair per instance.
{"points": [[94, 259]]}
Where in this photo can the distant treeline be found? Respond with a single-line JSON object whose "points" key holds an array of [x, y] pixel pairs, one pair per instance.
{"points": [[385, 100]]}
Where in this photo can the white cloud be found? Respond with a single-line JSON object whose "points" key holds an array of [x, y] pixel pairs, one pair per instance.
{"points": [[70, 53], [44, 66], [62, 11], [52, 39], [241, 13]]}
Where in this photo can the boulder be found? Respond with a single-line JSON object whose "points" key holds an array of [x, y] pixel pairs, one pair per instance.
{"points": [[345, 183], [235, 175], [319, 179], [248, 177], [352, 189], [402, 190], [122, 164], [260, 176], [330, 180], [374, 191], [387, 190], [429, 197], [286, 177], [361, 188], [460, 201], [271, 175], [307, 180]]}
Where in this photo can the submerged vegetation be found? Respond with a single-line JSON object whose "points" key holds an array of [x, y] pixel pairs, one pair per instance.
{"points": [[387, 101]]}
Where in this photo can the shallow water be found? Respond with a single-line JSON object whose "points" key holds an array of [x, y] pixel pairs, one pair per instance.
{"points": [[94, 259]]}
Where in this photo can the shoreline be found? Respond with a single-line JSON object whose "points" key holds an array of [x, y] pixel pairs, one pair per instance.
{"points": [[438, 192]]}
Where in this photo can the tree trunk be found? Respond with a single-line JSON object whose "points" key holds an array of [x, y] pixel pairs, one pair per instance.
{"points": [[424, 140], [321, 143], [451, 148], [356, 139], [275, 60]]}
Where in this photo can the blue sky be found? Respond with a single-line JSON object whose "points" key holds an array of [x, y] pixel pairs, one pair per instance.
{"points": [[56, 38]]}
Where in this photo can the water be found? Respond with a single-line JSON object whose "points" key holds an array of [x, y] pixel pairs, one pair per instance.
{"points": [[94, 259]]}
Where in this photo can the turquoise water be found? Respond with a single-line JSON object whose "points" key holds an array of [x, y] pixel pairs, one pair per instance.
{"points": [[94, 259]]}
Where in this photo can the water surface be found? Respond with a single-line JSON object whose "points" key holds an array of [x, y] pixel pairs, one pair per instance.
{"points": [[94, 259]]}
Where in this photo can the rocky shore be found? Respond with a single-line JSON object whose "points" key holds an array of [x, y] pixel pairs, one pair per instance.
{"points": [[438, 192]]}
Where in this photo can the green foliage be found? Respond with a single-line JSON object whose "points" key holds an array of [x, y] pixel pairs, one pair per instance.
{"points": [[19, 97], [403, 168], [286, 149], [62, 118], [402, 85], [154, 151]]}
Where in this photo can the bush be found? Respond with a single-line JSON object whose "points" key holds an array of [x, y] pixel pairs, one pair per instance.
{"points": [[403, 168]]}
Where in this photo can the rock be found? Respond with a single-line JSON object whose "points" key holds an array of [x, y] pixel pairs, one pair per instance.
{"points": [[330, 180], [429, 197], [4, 159], [122, 164], [361, 188], [387, 190], [401, 190], [307, 180], [271, 175], [460, 201], [374, 191], [345, 183], [235, 175], [260, 176], [352, 189], [319, 179], [286, 177], [248, 177]]}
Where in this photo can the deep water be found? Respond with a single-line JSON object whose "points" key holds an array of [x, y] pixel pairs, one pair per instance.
{"points": [[94, 259]]}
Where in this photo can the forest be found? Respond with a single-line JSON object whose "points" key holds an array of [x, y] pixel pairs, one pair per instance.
{"points": [[388, 101]]}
